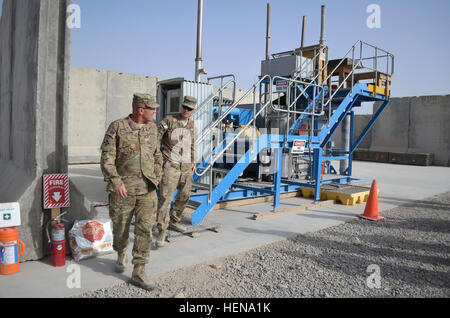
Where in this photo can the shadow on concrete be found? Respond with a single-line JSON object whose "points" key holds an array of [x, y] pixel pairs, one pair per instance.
{"points": [[329, 215], [228, 210], [326, 217], [48, 260], [106, 267], [283, 234], [101, 265]]}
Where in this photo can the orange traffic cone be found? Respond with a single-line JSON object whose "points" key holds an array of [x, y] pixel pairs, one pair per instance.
{"points": [[371, 210]]}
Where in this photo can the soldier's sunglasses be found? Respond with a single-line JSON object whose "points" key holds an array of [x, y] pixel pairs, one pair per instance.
{"points": [[187, 108]]}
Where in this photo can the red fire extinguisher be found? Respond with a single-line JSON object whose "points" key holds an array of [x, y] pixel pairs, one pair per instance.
{"points": [[58, 241]]}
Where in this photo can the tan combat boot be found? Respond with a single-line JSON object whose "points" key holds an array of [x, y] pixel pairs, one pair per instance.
{"points": [[177, 227], [161, 240], [140, 279], [121, 262]]}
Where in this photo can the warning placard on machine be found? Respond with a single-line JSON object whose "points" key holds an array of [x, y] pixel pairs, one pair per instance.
{"points": [[298, 146], [281, 86]]}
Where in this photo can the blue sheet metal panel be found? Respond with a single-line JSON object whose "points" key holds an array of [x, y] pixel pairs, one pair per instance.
{"points": [[240, 116]]}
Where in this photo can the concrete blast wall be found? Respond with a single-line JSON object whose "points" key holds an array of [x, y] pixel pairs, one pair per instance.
{"points": [[96, 98], [34, 61], [409, 125]]}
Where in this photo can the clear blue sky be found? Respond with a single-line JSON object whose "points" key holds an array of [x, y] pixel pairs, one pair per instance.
{"points": [[158, 37]]}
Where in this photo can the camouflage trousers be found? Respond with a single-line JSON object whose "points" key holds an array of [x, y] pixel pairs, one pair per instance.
{"points": [[121, 211], [175, 176]]}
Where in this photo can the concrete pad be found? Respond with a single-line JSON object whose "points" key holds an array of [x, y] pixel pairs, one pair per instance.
{"points": [[398, 185]]}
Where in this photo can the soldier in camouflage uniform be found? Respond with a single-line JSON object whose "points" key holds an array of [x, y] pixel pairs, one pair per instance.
{"points": [[176, 134], [131, 163]]}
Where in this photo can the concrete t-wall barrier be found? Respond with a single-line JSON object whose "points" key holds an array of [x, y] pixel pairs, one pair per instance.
{"points": [[408, 125], [390, 132], [34, 61], [97, 98], [429, 129], [415, 125]]}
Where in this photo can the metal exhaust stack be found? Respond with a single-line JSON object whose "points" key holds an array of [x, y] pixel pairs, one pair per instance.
{"points": [[303, 31], [268, 33], [198, 60], [266, 86], [322, 26]]}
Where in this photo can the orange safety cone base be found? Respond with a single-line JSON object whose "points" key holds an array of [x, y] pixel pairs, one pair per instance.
{"points": [[371, 210], [379, 218]]}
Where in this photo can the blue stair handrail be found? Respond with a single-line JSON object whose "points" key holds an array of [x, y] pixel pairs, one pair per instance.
{"points": [[220, 190]]}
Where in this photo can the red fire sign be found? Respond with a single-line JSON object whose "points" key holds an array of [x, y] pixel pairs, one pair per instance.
{"points": [[56, 191]]}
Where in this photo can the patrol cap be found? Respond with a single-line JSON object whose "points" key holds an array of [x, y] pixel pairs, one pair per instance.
{"points": [[190, 102], [146, 99]]}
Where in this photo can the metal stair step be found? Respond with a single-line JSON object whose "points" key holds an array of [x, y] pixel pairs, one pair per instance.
{"points": [[193, 204], [221, 170], [201, 186]]}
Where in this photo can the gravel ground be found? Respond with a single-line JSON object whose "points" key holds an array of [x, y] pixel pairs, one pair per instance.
{"points": [[410, 248]]}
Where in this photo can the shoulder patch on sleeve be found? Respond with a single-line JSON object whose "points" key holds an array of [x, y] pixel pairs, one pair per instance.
{"points": [[163, 125], [110, 134]]}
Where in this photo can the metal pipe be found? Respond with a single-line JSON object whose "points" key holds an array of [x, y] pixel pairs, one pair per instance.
{"points": [[303, 31], [322, 26], [345, 137], [198, 58], [268, 33], [266, 87]]}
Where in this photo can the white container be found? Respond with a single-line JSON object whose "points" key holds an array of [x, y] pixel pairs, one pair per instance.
{"points": [[9, 214]]}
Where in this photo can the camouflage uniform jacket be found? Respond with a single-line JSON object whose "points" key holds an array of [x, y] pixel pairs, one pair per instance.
{"points": [[177, 139], [131, 156]]}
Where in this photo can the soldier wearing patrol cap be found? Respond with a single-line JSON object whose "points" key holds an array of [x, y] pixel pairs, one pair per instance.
{"points": [[176, 134], [131, 163]]}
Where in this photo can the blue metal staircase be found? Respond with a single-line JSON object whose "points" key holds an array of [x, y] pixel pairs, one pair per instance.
{"points": [[336, 103], [221, 189]]}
